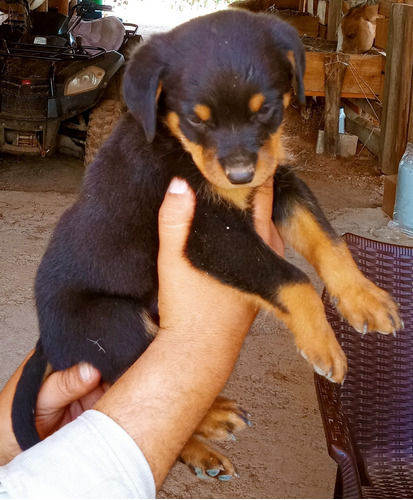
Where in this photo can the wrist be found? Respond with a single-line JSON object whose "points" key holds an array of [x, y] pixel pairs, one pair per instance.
{"points": [[8, 447]]}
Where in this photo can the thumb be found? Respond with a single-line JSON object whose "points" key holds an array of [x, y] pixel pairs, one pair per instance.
{"points": [[175, 216], [63, 387]]}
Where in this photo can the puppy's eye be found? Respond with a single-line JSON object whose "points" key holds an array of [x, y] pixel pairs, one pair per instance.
{"points": [[265, 112], [195, 120]]}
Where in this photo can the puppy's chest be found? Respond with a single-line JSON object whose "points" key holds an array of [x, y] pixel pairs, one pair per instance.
{"points": [[218, 221], [240, 197]]}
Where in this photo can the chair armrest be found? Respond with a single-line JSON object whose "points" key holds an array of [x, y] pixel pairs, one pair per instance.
{"points": [[338, 436]]}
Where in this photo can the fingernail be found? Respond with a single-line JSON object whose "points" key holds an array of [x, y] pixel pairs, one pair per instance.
{"points": [[178, 186], [85, 371]]}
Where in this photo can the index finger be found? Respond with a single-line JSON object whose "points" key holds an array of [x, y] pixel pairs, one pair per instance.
{"points": [[263, 207]]}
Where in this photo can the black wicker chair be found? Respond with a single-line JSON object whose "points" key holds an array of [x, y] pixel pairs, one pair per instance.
{"points": [[368, 421]]}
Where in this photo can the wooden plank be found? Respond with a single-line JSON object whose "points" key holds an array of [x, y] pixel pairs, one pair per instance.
{"points": [[44, 7], [363, 79], [367, 133], [322, 31], [397, 99], [373, 108], [410, 124], [382, 33], [385, 8], [383, 73], [334, 17], [61, 5], [283, 4], [305, 24], [389, 194], [386, 5], [336, 65], [322, 12], [7, 7]]}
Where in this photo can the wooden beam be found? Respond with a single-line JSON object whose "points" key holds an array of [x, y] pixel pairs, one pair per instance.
{"points": [[363, 80], [397, 120], [373, 108], [44, 7], [382, 33], [304, 23], [386, 5], [367, 133], [322, 12], [335, 68], [335, 14]]}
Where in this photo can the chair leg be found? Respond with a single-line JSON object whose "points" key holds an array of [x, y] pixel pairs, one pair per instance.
{"points": [[338, 488]]}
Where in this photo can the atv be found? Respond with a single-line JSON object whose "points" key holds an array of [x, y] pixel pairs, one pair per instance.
{"points": [[51, 81]]}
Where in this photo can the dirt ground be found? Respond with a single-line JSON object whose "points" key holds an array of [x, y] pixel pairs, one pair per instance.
{"points": [[283, 455]]}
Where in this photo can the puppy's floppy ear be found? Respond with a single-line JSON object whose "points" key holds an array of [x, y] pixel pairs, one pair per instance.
{"points": [[141, 86], [288, 40]]}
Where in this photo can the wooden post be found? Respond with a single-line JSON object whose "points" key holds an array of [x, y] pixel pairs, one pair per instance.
{"points": [[44, 7], [397, 122], [335, 13], [63, 6], [335, 68]]}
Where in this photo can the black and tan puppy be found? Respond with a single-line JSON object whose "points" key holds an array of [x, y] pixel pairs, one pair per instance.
{"points": [[206, 104]]}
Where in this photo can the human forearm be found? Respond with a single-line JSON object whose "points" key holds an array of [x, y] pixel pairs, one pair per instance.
{"points": [[161, 400]]}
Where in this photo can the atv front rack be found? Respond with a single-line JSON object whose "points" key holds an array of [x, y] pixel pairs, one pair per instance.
{"points": [[48, 52]]}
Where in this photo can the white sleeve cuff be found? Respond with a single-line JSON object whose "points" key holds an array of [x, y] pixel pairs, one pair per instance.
{"points": [[92, 457]]}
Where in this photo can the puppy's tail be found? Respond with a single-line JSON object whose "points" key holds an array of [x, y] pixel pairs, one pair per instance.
{"points": [[25, 398]]}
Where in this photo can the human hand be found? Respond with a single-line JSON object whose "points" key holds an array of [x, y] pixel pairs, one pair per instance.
{"points": [[262, 208], [63, 396], [183, 290]]}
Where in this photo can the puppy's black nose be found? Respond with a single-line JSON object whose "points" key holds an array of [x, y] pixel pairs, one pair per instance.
{"points": [[239, 169], [241, 175]]}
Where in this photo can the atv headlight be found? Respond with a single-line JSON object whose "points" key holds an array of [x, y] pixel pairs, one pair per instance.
{"points": [[88, 79]]}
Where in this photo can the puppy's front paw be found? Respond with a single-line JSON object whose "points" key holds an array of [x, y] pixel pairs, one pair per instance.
{"points": [[223, 419], [368, 308], [325, 354], [206, 462]]}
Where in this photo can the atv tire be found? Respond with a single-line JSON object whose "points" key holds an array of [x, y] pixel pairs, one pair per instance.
{"points": [[102, 120]]}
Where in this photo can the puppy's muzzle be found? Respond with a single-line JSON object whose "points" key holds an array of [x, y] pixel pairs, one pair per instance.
{"points": [[239, 169]]}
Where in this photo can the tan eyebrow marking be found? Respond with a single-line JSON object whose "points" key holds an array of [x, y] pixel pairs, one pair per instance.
{"points": [[202, 111], [256, 102], [291, 58]]}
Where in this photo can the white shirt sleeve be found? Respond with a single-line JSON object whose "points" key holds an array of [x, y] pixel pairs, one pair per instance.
{"points": [[92, 457]]}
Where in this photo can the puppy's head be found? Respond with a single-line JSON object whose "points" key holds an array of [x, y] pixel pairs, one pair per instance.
{"points": [[222, 82]]}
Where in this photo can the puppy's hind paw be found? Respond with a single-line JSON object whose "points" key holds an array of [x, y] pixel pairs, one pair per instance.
{"points": [[207, 462], [223, 419]]}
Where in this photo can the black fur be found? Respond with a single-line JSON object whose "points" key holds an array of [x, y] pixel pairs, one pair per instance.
{"points": [[97, 281]]}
